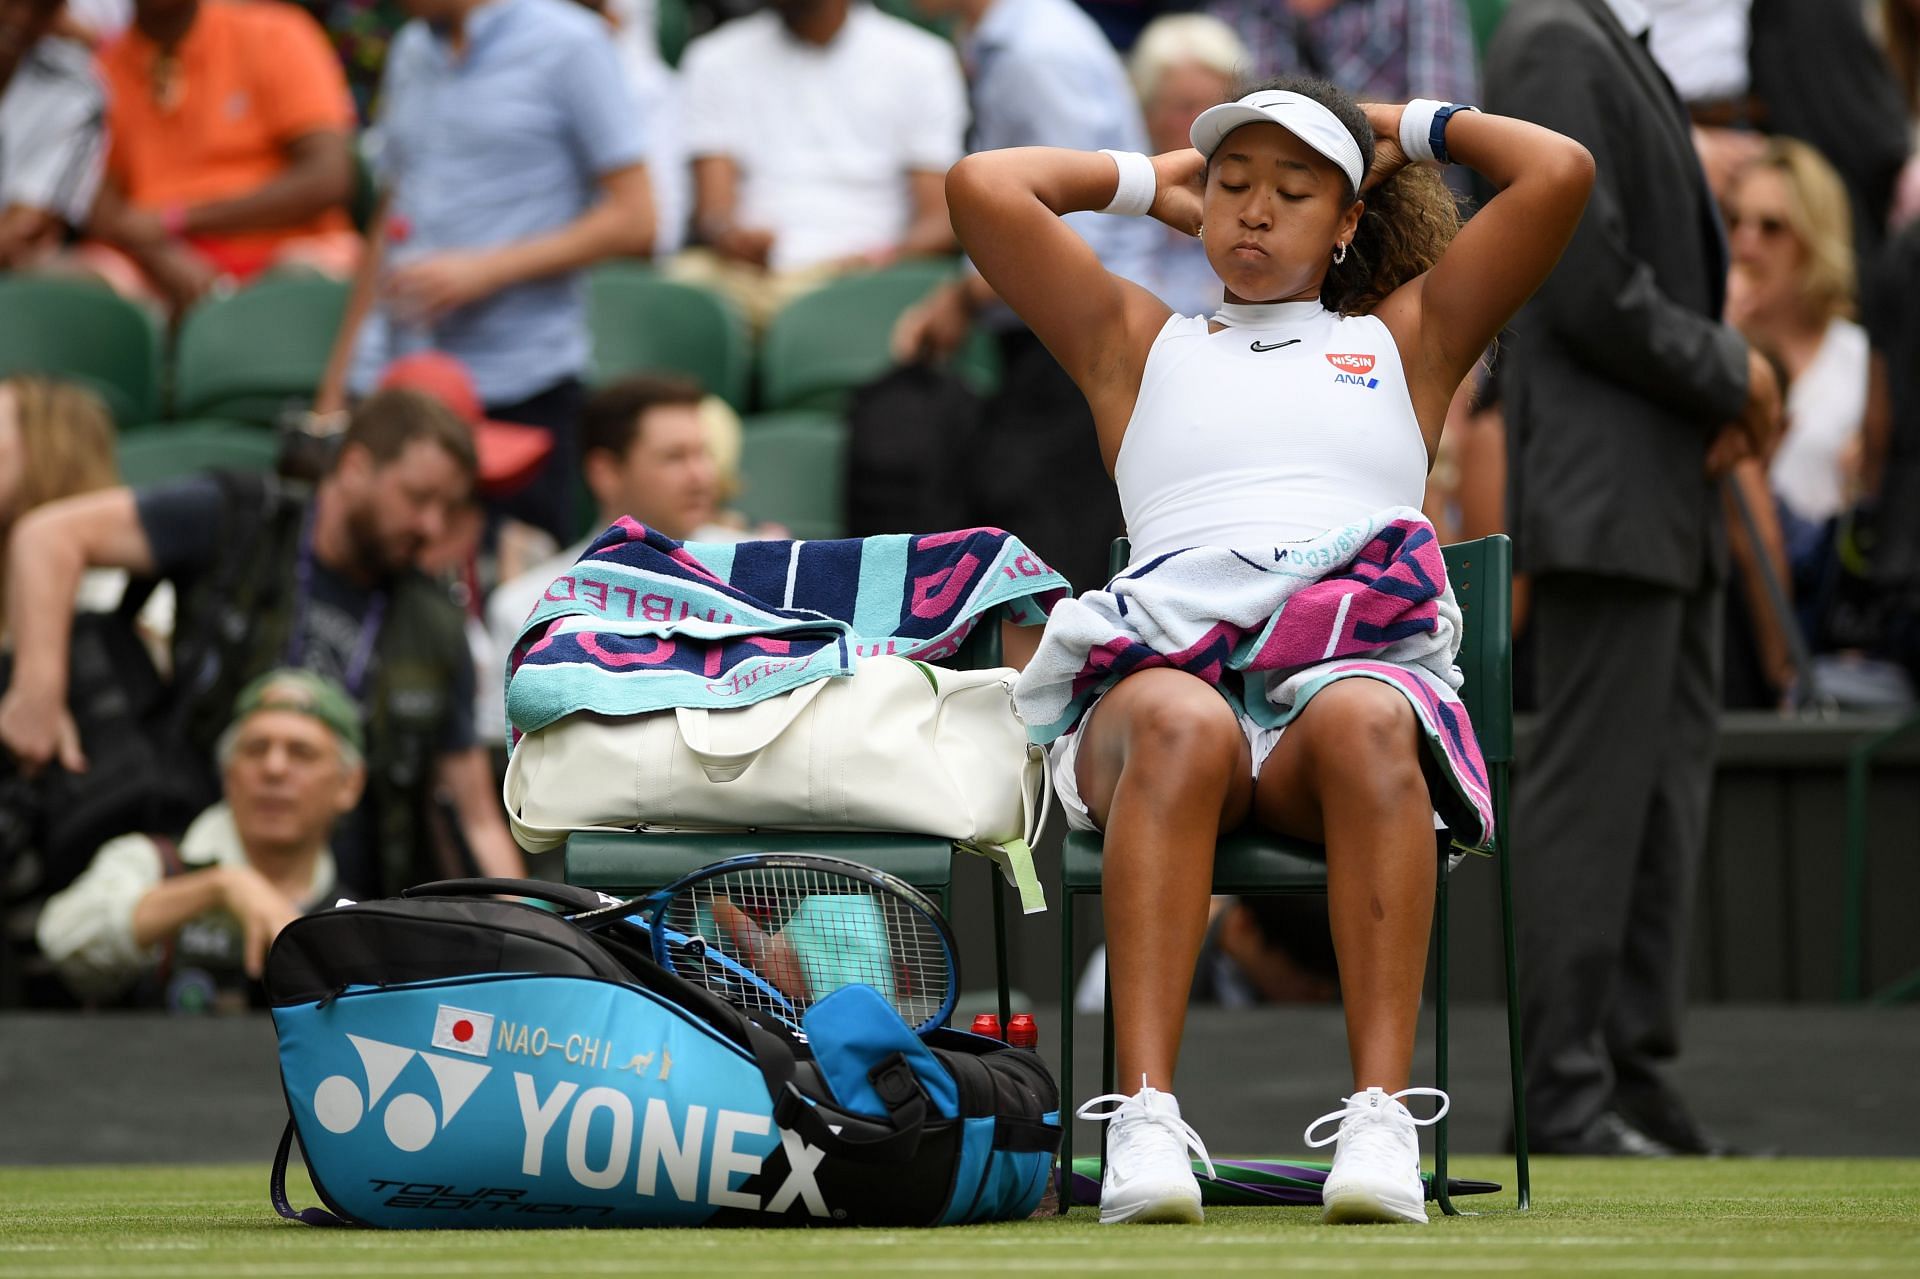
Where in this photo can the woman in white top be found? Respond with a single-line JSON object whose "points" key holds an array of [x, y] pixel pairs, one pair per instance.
{"points": [[1316, 395], [1791, 291]]}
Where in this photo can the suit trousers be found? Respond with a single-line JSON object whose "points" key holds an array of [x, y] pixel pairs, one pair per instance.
{"points": [[1610, 815]]}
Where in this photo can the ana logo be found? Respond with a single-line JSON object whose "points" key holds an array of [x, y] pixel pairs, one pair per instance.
{"points": [[1351, 363], [409, 1119]]}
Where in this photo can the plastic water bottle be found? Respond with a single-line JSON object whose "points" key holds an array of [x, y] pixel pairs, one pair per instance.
{"points": [[987, 1024], [1023, 1032]]}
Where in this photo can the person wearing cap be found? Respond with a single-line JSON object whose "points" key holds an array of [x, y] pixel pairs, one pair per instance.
{"points": [[507, 455], [512, 158], [187, 923], [1310, 403], [269, 576]]}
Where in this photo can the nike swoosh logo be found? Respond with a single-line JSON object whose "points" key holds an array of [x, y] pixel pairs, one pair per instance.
{"points": [[1274, 346]]}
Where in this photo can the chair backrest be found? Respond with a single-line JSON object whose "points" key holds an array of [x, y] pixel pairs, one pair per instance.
{"points": [[825, 343], [1481, 575], [82, 331], [247, 356], [642, 323], [793, 470], [170, 450]]}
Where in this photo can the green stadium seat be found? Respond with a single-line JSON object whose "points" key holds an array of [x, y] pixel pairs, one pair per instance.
{"points": [[642, 323], [170, 450], [838, 337], [793, 472], [247, 356], [673, 25], [83, 331]]}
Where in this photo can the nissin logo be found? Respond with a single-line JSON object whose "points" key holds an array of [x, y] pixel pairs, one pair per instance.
{"points": [[1353, 362]]}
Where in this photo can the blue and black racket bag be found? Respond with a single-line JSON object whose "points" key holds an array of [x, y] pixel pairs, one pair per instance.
{"points": [[452, 1059]]}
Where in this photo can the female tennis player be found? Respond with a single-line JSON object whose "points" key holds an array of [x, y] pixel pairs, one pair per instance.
{"points": [[1240, 431]]}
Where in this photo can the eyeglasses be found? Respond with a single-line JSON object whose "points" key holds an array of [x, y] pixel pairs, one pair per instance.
{"points": [[1768, 227]]}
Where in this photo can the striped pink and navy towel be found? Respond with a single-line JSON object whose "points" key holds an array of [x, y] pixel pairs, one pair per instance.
{"points": [[1271, 626]]}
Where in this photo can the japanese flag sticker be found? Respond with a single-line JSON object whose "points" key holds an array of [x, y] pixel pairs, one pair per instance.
{"points": [[461, 1031]]}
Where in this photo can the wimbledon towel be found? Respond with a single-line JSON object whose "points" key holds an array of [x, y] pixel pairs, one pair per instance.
{"points": [[1270, 627], [644, 623]]}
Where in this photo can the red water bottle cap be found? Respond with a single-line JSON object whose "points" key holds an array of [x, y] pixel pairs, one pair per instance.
{"points": [[987, 1024], [1023, 1031]]}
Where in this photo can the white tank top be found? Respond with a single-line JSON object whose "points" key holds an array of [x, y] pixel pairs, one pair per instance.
{"points": [[1261, 435]]}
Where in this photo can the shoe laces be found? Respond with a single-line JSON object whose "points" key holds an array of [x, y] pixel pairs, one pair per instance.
{"points": [[1138, 1109], [1362, 1105]]}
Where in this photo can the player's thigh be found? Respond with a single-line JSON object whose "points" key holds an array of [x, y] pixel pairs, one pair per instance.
{"points": [[1352, 729], [1171, 728]]}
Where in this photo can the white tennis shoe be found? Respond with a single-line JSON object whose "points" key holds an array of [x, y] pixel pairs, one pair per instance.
{"points": [[1146, 1176], [1376, 1167]]}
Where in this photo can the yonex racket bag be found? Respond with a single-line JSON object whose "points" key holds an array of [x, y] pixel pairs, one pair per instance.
{"points": [[455, 1060]]}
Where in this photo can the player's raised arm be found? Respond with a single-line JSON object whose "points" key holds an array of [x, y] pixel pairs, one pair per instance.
{"points": [[1006, 208]]}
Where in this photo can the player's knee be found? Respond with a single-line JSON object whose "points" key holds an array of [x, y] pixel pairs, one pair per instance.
{"points": [[1369, 736], [1185, 736]]}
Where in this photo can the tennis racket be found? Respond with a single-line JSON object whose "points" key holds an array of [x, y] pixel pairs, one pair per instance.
{"points": [[775, 933]]}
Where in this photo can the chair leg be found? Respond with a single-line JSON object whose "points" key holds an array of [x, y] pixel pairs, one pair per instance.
{"points": [[1066, 1048], [1440, 1038], [1000, 946], [1521, 1171], [1106, 1029]]}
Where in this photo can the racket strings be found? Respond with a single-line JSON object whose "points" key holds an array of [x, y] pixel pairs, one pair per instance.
{"points": [[805, 933]]}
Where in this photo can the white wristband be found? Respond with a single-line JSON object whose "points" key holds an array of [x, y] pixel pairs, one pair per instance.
{"points": [[1418, 125], [1133, 196], [1416, 129]]}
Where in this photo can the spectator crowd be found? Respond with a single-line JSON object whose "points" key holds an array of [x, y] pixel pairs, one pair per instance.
{"points": [[464, 171]]}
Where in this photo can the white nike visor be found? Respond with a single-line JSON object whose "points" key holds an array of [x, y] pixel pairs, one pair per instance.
{"points": [[1298, 114]]}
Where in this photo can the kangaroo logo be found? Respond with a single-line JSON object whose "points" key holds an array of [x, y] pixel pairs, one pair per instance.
{"points": [[409, 1118]]}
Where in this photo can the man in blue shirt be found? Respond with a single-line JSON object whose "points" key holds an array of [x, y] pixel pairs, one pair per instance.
{"points": [[1040, 73], [510, 157]]}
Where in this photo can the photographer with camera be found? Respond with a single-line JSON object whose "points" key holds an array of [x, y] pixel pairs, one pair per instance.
{"points": [[270, 576], [188, 924]]}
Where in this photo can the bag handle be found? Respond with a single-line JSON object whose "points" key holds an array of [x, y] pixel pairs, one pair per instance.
{"points": [[726, 766], [566, 896], [277, 1187]]}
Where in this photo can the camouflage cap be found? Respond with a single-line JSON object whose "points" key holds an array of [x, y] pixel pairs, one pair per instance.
{"points": [[289, 689]]}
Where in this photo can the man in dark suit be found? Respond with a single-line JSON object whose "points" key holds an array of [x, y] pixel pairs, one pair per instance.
{"points": [[1625, 398]]}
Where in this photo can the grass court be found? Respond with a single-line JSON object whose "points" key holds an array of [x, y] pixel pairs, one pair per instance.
{"points": [[1591, 1217]]}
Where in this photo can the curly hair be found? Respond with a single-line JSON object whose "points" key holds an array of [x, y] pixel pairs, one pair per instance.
{"points": [[1409, 220]]}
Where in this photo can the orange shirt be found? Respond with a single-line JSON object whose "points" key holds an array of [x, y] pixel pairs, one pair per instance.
{"points": [[249, 79]]}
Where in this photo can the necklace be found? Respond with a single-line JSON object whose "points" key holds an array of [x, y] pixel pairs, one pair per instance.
{"points": [[1265, 315]]}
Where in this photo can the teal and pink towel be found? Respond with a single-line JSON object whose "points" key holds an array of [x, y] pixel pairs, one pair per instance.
{"points": [[644, 623], [1270, 627]]}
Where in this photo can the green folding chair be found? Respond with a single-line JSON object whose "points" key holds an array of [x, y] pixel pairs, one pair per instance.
{"points": [[85, 332], [170, 450], [825, 343], [631, 863], [1247, 863], [793, 472], [642, 323], [248, 356]]}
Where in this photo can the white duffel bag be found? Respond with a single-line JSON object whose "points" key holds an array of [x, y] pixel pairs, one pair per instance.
{"points": [[897, 746]]}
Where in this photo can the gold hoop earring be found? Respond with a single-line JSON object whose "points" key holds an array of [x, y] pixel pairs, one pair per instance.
{"points": [[1340, 254]]}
